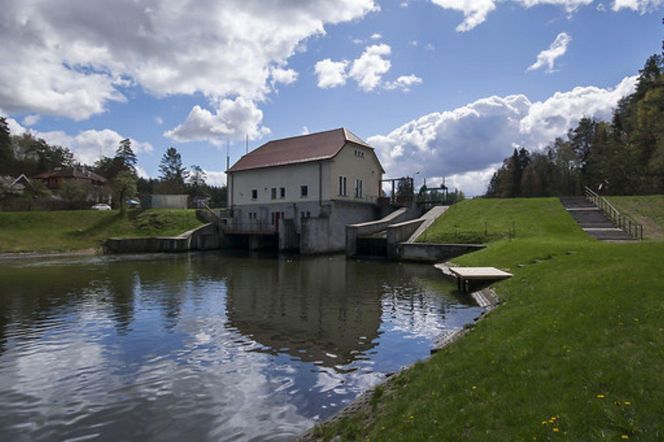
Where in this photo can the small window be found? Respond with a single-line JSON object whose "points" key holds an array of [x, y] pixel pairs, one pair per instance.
{"points": [[254, 194], [282, 192], [304, 191], [274, 193]]}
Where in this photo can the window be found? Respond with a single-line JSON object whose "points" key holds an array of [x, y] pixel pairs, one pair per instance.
{"points": [[358, 188], [359, 153], [282, 192], [274, 193], [254, 194], [342, 186], [304, 191]]}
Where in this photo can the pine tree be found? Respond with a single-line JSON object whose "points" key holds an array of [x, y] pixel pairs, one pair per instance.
{"points": [[171, 168], [125, 157], [6, 152]]}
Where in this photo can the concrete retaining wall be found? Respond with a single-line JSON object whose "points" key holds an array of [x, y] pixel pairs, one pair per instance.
{"points": [[399, 233], [205, 237], [327, 234], [353, 231], [427, 252]]}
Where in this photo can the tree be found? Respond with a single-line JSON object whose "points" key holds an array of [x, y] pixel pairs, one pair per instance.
{"points": [[124, 187], [6, 152], [172, 170], [197, 181], [74, 191], [126, 157]]}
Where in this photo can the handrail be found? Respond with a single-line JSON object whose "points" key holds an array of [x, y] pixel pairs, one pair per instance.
{"points": [[622, 221]]}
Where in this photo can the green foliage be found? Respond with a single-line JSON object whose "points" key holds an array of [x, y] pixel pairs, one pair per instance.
{"points": [[173, 173], [72, 190], [124, 187]]}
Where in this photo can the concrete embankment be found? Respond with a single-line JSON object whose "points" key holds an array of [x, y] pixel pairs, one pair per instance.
{"points": [[205, 237]]}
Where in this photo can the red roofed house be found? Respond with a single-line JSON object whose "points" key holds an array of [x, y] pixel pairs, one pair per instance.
{"points": [[305, 189]]}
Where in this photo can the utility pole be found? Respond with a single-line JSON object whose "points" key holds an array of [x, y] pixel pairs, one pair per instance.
{"points": [[246, 144]]}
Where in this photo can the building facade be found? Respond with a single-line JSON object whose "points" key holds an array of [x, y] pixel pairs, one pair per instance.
{"points": [[305, 189]]}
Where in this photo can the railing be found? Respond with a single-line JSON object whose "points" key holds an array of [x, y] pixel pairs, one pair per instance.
{"points": [[622, 221]]}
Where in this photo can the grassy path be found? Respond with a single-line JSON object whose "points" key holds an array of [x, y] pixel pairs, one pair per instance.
{"points": [[59, 231], [575, 352]]}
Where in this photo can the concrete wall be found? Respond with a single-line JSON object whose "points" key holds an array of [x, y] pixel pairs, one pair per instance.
{"points": [[205, 237], [166, 202], [399, 233], [353, 231], [328, 233], [427, 252]]}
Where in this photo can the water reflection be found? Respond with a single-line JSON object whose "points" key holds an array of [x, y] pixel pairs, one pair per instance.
{"points": [[204, 346]]}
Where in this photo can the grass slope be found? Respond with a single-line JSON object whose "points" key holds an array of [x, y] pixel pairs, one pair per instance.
{"points": [[485, 220], [647, 210], [575, 352], [84, 229]]}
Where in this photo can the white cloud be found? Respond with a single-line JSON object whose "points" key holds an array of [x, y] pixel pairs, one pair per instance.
{"points": [[141, 172], [413, 43], [31, 120], [466, 143], [72, 61], [376, 36], [548, 56], [641, 6], [368, 69], [158, 120], [284, 76], [474, 12], [215, 178], [404, 82], [552, 117], [89, 145], [331, 73], [472, 183], [233, 119]]}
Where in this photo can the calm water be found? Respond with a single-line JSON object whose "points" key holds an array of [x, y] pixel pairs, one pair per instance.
{"points": [[205, 346]]}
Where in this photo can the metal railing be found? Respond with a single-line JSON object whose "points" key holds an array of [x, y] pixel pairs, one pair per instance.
{"points": [[622, 221]]}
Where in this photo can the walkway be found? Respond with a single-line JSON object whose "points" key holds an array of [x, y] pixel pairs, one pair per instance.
{"points": [[592, 220]]}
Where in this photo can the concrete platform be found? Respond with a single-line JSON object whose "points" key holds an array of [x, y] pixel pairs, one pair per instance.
{"points": [[466, 274]]}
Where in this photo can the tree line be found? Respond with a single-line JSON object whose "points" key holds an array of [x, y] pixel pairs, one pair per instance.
{"points": [[29, 155], [622, 157]]}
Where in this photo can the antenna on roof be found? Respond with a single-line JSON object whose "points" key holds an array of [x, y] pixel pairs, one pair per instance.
{"points": [[246, 143]]}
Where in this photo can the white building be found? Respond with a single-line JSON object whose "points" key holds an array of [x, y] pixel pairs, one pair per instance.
{"points": [[305, 189]]}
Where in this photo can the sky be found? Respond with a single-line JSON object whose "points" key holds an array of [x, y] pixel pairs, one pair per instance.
{"points": [[440, 88]]}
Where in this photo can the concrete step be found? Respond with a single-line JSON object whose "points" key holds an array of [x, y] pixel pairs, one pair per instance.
{"points": [[609, 234]]}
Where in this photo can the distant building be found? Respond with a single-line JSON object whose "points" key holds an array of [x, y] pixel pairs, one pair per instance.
{"points": [[56, 178], [306, 189]]}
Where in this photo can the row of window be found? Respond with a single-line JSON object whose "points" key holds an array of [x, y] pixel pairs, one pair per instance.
{"points": [[253, 216], [343, 190], [359, 153], [304, 192]]}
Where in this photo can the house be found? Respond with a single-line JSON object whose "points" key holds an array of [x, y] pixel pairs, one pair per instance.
{"points": [[95, 184], [305, 190], [54, 179]]}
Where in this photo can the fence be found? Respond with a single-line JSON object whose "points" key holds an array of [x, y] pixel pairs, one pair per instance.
{"points": [[624, 222]]}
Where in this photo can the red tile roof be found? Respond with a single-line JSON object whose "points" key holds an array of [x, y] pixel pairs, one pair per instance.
{"points": [[301, 149]]}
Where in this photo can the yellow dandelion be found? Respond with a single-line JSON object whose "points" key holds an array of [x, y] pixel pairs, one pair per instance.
{"points": [[545, 422], [555, 429], [474, 387], [628, 403], [600, 396], [624, 436]]}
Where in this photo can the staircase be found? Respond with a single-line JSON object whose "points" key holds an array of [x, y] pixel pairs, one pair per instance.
{"points": [[593, 220]]}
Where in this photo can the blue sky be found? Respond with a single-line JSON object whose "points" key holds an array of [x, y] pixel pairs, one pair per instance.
{"points": [[440, 87]]}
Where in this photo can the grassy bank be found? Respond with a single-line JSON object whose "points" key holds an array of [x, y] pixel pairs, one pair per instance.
{"points": [[84, 229], [575, 351], [647, 210]]}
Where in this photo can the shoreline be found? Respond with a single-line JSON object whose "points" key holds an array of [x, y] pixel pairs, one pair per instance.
{"points": [[52, 254]]}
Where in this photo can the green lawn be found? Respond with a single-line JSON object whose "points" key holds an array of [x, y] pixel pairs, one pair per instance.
{"points": [[647, 210], [486, 220], [575, 352], [85, 229]]}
